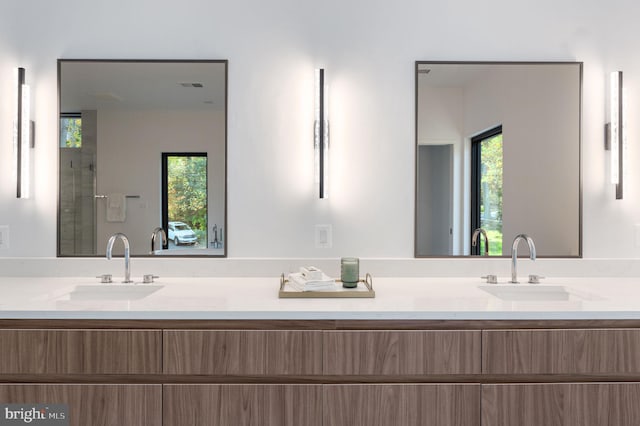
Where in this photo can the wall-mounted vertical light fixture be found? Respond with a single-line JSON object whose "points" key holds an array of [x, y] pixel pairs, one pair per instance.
{"points": [[22, 135], [616, 140], [321, 133]]}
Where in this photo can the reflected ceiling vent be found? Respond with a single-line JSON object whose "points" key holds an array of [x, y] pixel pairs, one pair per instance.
{"points": [[107, 96], [190, 84], [424, 71]]}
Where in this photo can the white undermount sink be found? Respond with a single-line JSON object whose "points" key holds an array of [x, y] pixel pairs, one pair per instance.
{"points": [[535, 292], [113, 291]]}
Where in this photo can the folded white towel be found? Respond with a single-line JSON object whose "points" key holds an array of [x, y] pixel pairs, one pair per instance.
{"points": [[116, 208], [311, 273], [298, 282]]}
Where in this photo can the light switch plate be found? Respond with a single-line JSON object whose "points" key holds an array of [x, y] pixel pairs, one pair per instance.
{"points": [[324, 238], [4, 237], [637, 235]]}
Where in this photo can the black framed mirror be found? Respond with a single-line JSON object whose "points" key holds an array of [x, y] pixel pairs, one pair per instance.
{"points": [[498, 150], [116, 120]]}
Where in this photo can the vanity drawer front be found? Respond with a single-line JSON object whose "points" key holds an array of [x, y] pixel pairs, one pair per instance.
{"points": [[401, 352], [242, 352], [91, 404], [402, 405], [242, 405], [80, 351], [561, 404], [604, 351]]}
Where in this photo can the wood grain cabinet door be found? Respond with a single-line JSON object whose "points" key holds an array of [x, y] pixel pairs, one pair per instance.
{"points": [[402, 405], [80, 351], [581, 351], [242, 405], [243, 352], [94, 405], [561, 404], [401, 352]]}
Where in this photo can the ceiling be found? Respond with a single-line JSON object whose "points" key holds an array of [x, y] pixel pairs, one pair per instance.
{"points": [[135, 85]]}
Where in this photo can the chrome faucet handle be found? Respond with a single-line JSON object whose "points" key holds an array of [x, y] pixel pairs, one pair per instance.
{"points": [[491, 279], [148, 278], [105, 278], [535, 279]]}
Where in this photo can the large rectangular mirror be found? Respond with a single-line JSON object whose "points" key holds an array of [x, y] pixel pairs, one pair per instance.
{"points": [[497, 153], [142, 144]]}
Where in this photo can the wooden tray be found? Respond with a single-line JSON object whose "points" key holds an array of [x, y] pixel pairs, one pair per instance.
{"points": [[363, 290]]}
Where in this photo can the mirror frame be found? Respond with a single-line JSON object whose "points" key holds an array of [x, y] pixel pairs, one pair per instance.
{"points": [[60, 61], [415, 184]]}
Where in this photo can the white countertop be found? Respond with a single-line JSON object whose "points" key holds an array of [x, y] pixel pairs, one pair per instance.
{"points": [[257, 298]]}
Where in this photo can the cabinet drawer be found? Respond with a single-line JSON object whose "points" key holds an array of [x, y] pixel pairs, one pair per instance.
{"points": [[605, 351], [401, 405], [561, 404], [401, 352], [242, 405], [240, 352], [80, 351], [94, 405]]}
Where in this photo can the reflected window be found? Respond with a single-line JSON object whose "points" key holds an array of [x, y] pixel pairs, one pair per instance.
{"points": [[486, 184], [71, 130], [184, 197]]}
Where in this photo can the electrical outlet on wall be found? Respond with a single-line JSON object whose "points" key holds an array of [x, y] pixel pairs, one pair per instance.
{"points": [[4, 237], [324, 239]]}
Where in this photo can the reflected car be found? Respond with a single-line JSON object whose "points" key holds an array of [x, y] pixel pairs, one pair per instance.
{"points": [[181, 233]]}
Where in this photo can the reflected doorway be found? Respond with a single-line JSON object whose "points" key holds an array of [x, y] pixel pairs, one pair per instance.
{"points": [[435, 200]]}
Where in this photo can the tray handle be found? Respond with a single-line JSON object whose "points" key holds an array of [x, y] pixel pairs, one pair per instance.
{"points": [[282, 281], [368, 281]]}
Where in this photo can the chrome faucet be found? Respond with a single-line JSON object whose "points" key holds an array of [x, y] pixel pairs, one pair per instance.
{"points": [[514, 255], [474, 239], [125, 240], [154, 234]]}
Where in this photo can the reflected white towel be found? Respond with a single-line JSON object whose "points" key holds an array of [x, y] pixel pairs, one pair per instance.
{"points": [[298, 282], [116, 208]]}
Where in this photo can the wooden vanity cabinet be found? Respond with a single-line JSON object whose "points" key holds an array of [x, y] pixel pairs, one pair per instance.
{"points": [[326, 373], [318, 356], [594, 361]]}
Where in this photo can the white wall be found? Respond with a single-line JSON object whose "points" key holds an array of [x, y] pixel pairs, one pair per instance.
{"points": [[368, 49], [145, 135]]}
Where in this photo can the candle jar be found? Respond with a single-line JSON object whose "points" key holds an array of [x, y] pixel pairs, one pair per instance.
{"points": [[349, 271]]}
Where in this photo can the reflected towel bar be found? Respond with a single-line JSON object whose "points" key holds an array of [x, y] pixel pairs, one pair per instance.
{"points": [[126, 196]]}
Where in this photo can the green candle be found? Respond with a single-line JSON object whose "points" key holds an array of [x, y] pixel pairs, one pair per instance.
{"points": [[349, 271]]}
